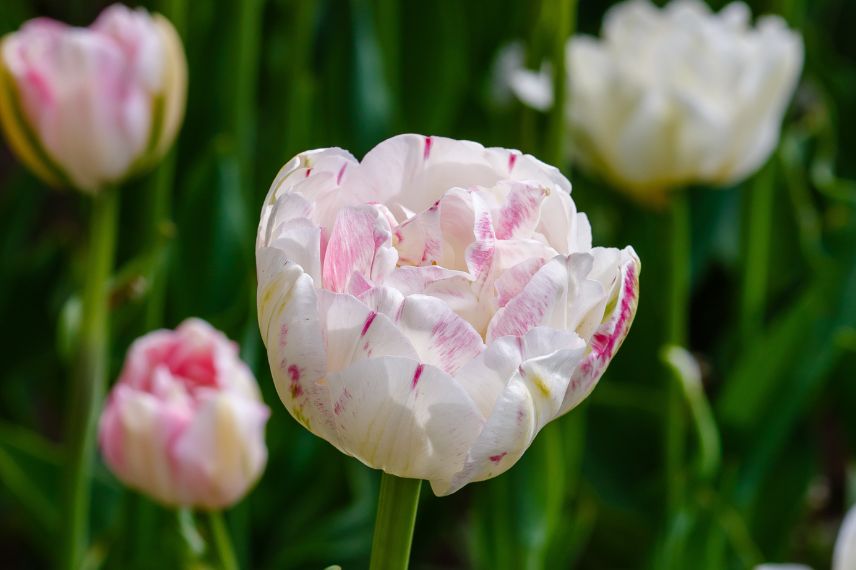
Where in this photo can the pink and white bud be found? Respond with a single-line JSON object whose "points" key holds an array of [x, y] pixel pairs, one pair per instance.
{"points": [[185, 421], [88, 107], [429, 309]]}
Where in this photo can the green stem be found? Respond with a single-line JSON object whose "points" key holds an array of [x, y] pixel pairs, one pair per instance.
{"points": [[91, 374], [676, 334], [159, 229], [396, 517], [757, 229], [222, 541], [242, 115], [564, 12], [158, 225]]}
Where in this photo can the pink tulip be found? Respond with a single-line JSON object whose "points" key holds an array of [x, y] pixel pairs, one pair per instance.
{"points": [[88, 107], [429, 309], [185, 422]]}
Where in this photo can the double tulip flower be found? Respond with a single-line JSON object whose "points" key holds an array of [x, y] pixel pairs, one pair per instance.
{"points": [[674, 96], [185, 421], [429, 309]]}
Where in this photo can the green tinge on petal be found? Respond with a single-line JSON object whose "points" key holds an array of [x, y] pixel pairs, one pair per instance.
{"points": [[168, 106], [23, 141]]}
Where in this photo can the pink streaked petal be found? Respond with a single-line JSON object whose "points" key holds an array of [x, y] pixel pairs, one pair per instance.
{"points": [[608, 338], [532, 306], [354, 332], [409, 280], [358, 235], [519, 215], [527, 168], [384, 300], [419, 240], [440, 337], [512, 281], [291, 330], [404, 174], [518, 384], [559, 295], [419, 429], [506, 435]]}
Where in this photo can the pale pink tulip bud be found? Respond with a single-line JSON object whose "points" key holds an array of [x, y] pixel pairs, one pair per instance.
{"points": [[429, 309], [185, 422], [88, 107]]}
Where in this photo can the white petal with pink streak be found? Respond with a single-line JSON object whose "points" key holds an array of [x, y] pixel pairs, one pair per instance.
{"points": [[613, 328], [292, 332], [407, 418], [519, 384]]}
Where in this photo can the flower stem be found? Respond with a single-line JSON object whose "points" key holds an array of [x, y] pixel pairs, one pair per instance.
{"points": [[396, 517], [91, 374], [676, 334], [757, 229], [565, 13], [222, 541]]}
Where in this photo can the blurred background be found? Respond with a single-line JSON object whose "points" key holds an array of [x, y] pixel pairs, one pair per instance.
{"points": [[270, 78]]}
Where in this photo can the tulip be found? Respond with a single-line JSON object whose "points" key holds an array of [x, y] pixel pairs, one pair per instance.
{"points": [[185, 421], [429, 309], [844, 556], [844, 553], [89, 107], [674, 96]]}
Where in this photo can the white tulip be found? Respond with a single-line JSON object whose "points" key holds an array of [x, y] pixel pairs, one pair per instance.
{"points": [[429, 309], [674, 96]]}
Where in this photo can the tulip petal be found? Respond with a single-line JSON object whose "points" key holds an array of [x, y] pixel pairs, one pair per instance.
{"points": [[440, 337], [354, 332], [214, 452], [522, 381], [419, 240], [407, 418], [291, 330], [359, 243], [136, 433], [613, 328], [559, 295], [414, 172], [520, 214]]}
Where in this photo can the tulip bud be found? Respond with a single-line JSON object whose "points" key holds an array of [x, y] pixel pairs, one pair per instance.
{"points": [[429, 309], [88, 107], [185, 421]]}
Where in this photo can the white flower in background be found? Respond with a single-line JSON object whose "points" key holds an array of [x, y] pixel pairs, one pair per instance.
{"points": [[429, 309], [844, 555], [675, 96], [88, 107]]}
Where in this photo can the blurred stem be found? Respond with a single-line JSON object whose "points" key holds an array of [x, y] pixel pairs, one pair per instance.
{"points": [[547, 454], [159, 229], [757, 226], [387, 18], [158, 224], [396, 518], [242, 120], [222, 541], [676, 334], [564, 12], [91, 374]]}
